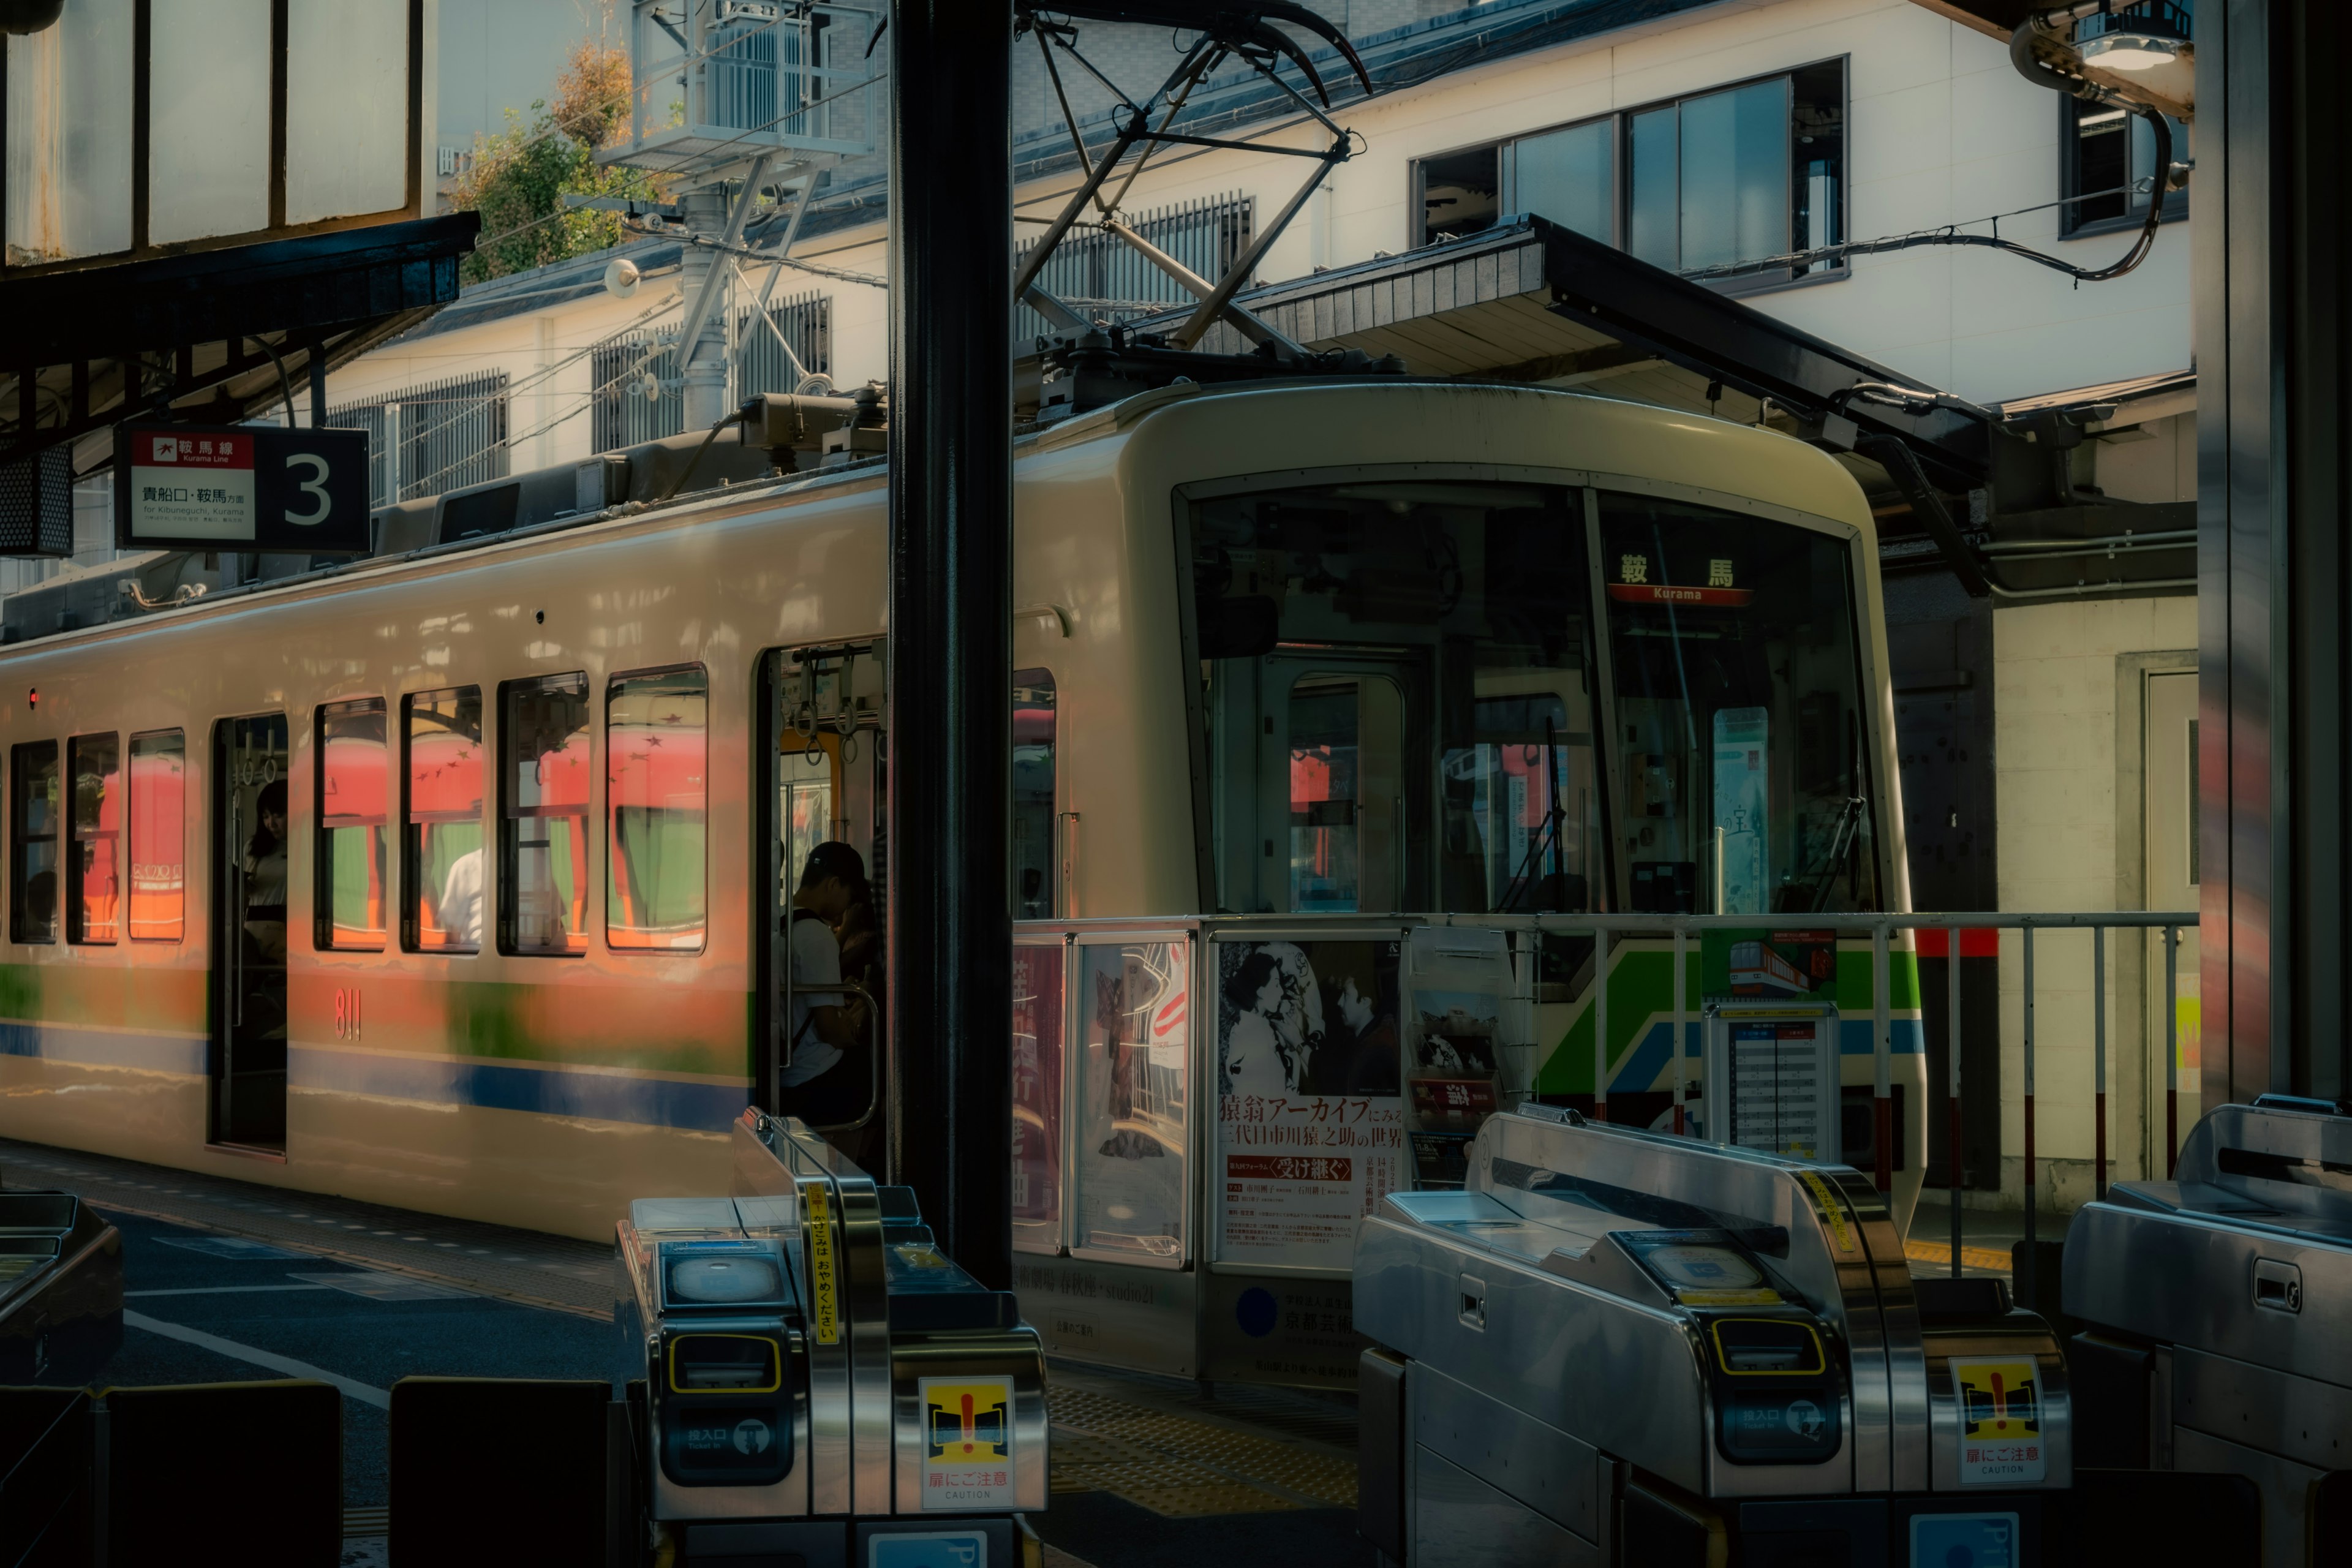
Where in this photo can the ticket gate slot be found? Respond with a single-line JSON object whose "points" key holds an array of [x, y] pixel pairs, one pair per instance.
{"points": [[1618, 1347], [2218, 1307]]}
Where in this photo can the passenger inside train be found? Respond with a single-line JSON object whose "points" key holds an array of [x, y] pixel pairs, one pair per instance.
{"points": [[827, 1079]]}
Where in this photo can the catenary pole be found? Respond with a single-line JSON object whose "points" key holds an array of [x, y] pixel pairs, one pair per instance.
{"points": [[950, 621]]}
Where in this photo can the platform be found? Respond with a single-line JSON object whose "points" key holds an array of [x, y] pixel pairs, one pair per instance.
{"points": [[223, 1277]]}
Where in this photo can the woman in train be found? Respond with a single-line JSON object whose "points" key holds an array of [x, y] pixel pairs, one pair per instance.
{"points": [[265, 876]]}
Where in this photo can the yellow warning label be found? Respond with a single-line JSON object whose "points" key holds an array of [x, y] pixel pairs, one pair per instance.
{"points": [[824, 1279], [1832, 1210], [967, 1442], [2000, 1421]]}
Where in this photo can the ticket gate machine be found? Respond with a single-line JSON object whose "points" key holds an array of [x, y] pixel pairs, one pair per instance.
{"points": [[2219, 1309], [812, 1379], [1616, 1347]]}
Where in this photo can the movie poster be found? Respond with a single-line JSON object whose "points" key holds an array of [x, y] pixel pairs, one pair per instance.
{"points": [[1311, 1126], [1134, 1015]]}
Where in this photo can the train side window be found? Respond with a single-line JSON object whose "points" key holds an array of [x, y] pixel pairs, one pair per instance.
{"points": [[443, 881], [352, 882], [1033, 754], [33, 855], [543, 815], [655, 725], [94, 869], [159, 836]]}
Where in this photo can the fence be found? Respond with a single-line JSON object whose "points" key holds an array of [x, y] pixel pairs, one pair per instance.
{"points": [[621, 366], [1103, 277], [437, 437]]}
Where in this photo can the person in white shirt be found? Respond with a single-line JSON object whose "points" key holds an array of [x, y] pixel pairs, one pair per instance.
{"points": [[826, 1029], [460, 909]]}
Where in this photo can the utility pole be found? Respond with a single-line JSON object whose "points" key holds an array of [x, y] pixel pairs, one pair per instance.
{"points": [[950, 625]]}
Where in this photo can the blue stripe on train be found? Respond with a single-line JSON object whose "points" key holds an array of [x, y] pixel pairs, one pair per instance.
{"points": [[540, 1091], [1641, 1068], [181, 1054]]}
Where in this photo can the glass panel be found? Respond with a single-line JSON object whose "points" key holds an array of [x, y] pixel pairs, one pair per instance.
{"points": [[1817, 97], [2104, 145], [69, 135], [1654, 230], [353, 777], [159, 836], [1460, 192], [1567, 176], [1033, 851], [1738, 691], [1398, 706], [806, 793], [33, 860], [347, 137], [208, 107], [1132, 1091], [655, 729], [1038, 1098], [94, 911], [1735, 175], [543, 824], [443, 879]]}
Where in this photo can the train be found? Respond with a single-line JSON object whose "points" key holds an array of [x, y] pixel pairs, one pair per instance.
{"points": [[455, 879]]}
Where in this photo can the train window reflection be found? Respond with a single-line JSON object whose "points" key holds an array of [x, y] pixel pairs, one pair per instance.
{"points": [[352, 880], [1399, 708], [1034, 850], [94, 869], [543, 815], [443, 879], [1745, 787], [654, 729], [32, 849], [159, 836]]}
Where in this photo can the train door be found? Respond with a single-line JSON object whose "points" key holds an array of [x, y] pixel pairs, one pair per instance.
{"points": [[1331, 775], [822, 758], [2170, 775], [249, 845]]}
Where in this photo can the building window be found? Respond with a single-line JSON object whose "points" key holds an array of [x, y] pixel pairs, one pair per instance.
{"points": [[94, 872], [543, 815], [442, 435], [2107, 169], [639, 397], [1734, 176], [655, 724], [352, 884], [1034, 847], [159, 836], [443, 881], [32, 856]]}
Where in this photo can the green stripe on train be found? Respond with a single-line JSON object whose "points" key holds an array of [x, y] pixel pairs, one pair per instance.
{"points": [[88, 996], [1641, 991]]}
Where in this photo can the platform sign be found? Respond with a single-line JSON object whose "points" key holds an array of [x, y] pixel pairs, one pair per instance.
{"points": [[967, 1442], [2000, 1421], [241, 487]]}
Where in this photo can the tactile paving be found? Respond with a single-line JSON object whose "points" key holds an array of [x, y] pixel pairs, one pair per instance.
{"points": [[1184, 1468]]}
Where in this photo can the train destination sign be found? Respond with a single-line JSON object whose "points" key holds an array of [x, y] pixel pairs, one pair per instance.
{"points": [[241, 487]]}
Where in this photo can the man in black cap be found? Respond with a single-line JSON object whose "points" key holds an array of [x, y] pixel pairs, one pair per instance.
{"points": [[828, 1077]]}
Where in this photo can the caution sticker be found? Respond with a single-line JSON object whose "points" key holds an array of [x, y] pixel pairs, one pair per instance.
{"points": [[967, 1442], [825, 1277], [2000, 1421], [1832, 1210]]}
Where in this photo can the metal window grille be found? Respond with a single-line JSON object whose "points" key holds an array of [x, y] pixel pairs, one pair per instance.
{"points": [[442, 435], [1105, 278], [623, 366]]}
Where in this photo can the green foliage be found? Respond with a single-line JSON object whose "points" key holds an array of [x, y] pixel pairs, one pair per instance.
{"points": [[518, 178]]}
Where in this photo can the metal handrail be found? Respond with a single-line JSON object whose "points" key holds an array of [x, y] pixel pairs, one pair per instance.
{"points": [[873, 1057]]}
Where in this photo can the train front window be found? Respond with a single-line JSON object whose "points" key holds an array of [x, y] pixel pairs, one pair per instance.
{"points": [[1397, 690], [1741, 755]]}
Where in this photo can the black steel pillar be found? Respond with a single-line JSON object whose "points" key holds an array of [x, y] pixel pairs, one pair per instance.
{"points": [[950, 655], [2269, 199]]}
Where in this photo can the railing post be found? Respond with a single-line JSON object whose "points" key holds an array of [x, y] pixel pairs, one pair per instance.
{"points": [[1599, 1023], [1682, 957], [1952, 1108], [2029, 1084], [1882, 1106], [2171, 1051], [2099, 1061]]}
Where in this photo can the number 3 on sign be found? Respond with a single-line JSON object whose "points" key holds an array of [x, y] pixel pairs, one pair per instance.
{"points": [[347, 1014], [315, 485]]}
